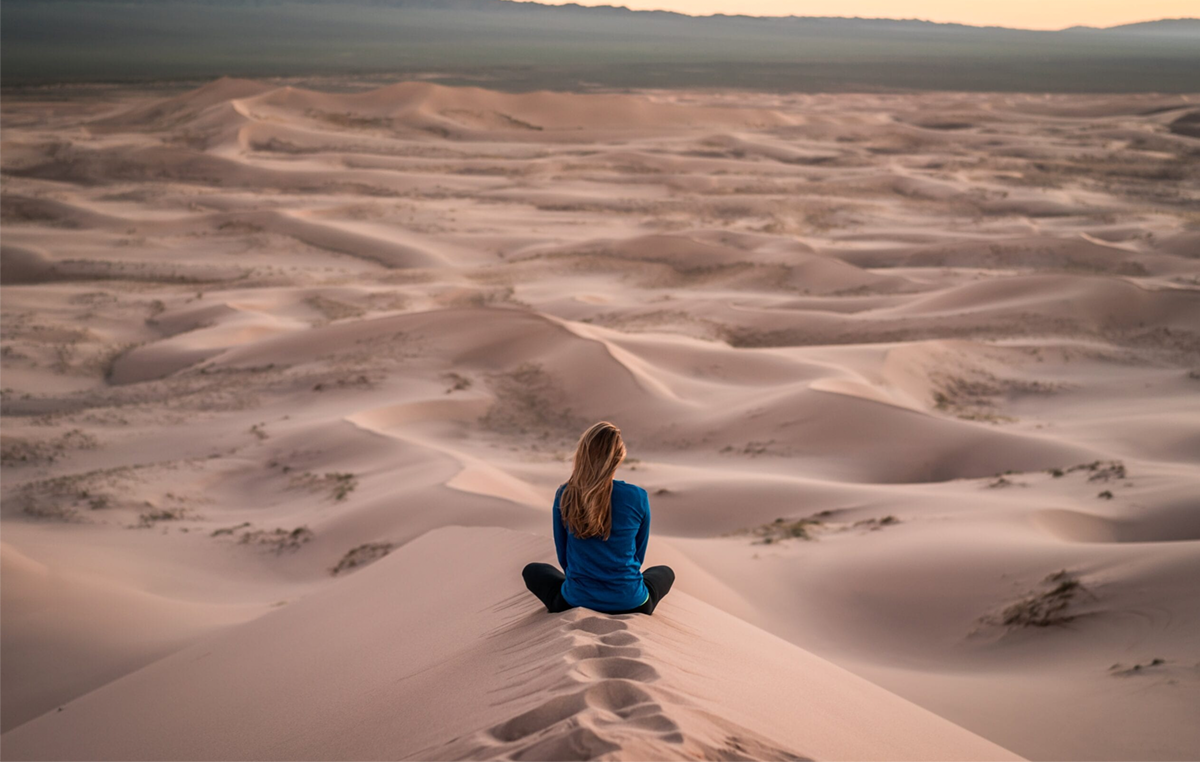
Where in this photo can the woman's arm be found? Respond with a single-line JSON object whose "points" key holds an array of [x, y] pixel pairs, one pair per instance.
{"points": [[643, 533], [560, 531]]}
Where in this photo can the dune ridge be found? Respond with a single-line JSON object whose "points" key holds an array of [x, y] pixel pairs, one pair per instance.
{"points": [[579, 685]]}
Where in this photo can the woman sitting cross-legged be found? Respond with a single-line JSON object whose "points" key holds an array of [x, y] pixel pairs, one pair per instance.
{"points": [[601, 527]]}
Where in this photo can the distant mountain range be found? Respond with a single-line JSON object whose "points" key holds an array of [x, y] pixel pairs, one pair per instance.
{"points": [[1162, 26], [527, 45]]}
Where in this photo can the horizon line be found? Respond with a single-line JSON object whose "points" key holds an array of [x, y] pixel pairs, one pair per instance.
{"points": [[574, 3]]}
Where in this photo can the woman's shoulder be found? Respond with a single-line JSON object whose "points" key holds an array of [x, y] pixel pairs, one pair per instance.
{"points": [[627, 489]]}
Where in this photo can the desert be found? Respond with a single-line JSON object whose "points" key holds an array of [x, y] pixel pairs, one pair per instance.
{"points": [[291, 374]]}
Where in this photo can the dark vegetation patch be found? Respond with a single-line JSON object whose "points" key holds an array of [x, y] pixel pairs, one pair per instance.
{"points": [[974, 398], [782, 529], [807, 528], [147, 519], [755, 449], [1050, 606], [68, 497], [877, 524], [951, 126], [21, 451], [530, 403], [337, 484], [1120, 670], [1000, 482], [1097, 470], [240, 227], [198, 390], [361, 556], [277, 540], [53, 512], [1102, 471], [352, 121], [456, 382], [332, 309], [229, 530], [360, 380]]}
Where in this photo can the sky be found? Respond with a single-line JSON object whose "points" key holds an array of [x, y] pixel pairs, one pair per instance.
{"points": [[1022, 14]]}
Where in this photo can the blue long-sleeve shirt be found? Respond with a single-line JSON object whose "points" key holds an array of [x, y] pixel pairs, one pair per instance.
{"points": [[606, 575]]}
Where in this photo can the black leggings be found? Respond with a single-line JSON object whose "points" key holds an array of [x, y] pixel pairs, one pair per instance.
{"points": [[545, 581]]}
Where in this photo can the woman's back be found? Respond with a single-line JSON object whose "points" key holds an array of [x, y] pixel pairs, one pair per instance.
{"points": [[606, 574], [601, 527]]}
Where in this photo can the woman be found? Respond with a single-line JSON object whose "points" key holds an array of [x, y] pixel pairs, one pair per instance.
{"points": [[601, 526]]}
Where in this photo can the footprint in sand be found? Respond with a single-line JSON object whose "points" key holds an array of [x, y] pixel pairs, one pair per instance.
{"points": [[600, 651], [606, 703], [608, 700], [539, 718], [619, 639], [606, 660], [599, 625], [616, 668], [570, 726], [578, 744]]}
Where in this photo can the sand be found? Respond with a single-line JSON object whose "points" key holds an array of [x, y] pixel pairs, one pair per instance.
{"points": [[464, 667], [289, 379]]}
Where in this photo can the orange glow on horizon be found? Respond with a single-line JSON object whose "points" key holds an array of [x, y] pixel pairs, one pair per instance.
{"points": [[1021, 14]]}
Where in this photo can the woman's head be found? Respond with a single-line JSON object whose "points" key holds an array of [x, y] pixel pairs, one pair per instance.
{"points": [[586, 501]]}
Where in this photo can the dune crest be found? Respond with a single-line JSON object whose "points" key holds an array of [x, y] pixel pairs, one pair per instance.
{"points": [[437, 111], [479, 651]]}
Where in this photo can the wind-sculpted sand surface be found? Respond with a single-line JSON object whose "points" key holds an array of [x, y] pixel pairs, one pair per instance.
{"points": [[913, 382]]}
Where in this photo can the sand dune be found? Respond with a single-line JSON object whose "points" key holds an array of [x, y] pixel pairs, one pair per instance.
{"points": [[168, 112], [290, 377], [99, 630], [417, 108], [474, 112], [518, 684]]}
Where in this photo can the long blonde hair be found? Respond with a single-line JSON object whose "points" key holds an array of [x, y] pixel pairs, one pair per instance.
{"points": [[586, 501]]}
